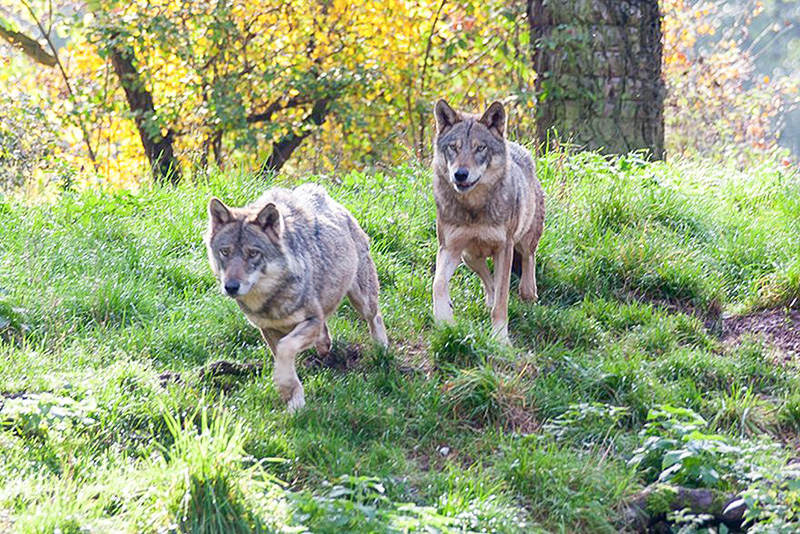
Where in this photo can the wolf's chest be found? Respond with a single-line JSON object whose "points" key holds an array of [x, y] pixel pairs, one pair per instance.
{"points": [[282, 324], [479, 240]]}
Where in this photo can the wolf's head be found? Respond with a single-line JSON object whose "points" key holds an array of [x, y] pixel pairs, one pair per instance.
{"points": [[473, 147], [244, 247]]}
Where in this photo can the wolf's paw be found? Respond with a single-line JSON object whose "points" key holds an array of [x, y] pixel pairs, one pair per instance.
{"points": [[297, 401], [323, 346], [500, 333], [443, 312], [528, 295]]}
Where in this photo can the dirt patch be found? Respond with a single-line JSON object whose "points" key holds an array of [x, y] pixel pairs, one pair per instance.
{"points": [[341, 358], [777, 326]]}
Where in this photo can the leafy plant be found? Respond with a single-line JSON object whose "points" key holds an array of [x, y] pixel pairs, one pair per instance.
{"points": [[676, 450], [39, 413], [592, 422]]}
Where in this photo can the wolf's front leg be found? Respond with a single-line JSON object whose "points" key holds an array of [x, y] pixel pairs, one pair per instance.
{"points": [[285, 376], [478, 265], [502, 281], [446, 263]]}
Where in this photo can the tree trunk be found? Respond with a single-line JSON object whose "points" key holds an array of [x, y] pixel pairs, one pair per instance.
{"points": [[158, 148], [282, 149], [599, 73]]}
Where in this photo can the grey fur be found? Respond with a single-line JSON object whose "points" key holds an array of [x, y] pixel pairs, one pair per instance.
{"points": [[495, 208], [293, 255]]}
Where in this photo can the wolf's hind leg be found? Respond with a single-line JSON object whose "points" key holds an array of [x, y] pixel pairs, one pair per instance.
{"points": [[527, 285], [323, 344], [502, 279], [482, 270], [363, 294]]}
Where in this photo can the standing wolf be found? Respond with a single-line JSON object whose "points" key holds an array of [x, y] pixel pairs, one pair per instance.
{"points": [[488, 203], [288, 259]]}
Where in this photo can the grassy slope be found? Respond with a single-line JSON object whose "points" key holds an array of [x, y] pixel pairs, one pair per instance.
{"points": [[100, 293]]}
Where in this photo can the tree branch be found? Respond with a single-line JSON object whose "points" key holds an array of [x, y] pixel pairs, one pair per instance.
{"points": [[283, 148], [276, 106], [52, 47], [27, 45], [423, 116]]}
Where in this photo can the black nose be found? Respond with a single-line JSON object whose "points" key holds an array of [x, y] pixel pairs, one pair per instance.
{"points": [[461, 175], [232, 287]]}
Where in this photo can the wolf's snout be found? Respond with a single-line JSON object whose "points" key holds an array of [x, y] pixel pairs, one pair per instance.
{"points": [[461, 176], [232, 287]]}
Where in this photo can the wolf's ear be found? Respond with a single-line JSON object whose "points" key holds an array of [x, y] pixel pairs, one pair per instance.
{"points": [[494, 118], [446, 116], [218, 213], [269, 219]]}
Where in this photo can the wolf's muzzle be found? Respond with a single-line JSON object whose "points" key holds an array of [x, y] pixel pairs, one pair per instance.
{"points": [[232, 287], [461, 176]]}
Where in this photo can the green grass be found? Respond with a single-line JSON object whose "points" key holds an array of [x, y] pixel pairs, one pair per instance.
{"points": [[102, 292]]}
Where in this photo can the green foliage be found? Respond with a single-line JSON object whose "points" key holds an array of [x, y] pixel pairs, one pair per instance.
{"points": [[587, 423], [28, 141], [359, 504], [789, 413], [773, 501], [36, 414], [675, 450]]}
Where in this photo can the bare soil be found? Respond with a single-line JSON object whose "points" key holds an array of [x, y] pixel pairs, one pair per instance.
{"points": [[780, 327]]}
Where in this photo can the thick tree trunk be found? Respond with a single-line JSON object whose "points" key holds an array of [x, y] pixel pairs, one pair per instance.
{"points": [[158, 148], [599, 67]]}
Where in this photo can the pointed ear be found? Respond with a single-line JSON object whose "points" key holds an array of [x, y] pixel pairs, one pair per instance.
{"points": [[218, 213], [446, 116], [494, 118], [269, 219]]}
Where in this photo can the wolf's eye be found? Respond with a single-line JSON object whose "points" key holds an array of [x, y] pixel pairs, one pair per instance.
{"points": [[224, 252], [452, 148], [480, 148], [253, 254]]}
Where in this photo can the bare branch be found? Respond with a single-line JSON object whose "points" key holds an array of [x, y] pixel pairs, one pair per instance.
{"points": [[27, 45], [276, 106], [81, 123], [283, 148]]}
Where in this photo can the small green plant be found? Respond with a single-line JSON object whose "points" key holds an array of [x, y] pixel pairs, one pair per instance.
{"points": [[773, 501], [37, 414], [788, 415], [461, 345], [359, 504], [590, 422], [742, 411], [676, 450]]}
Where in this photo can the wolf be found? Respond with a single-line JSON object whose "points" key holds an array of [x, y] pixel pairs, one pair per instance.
{"points": [[488, 203], [288, 259]]}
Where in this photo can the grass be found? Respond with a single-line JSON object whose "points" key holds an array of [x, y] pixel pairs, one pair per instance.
{"points": [[102, 292]]}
